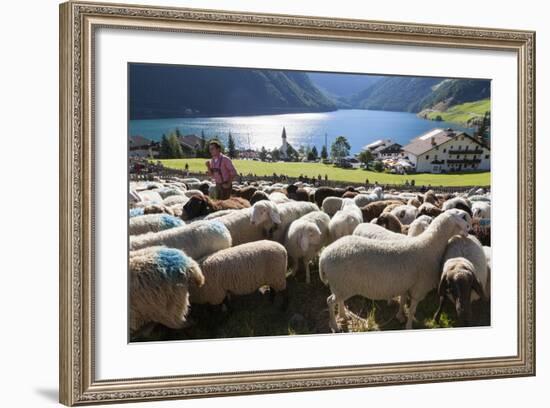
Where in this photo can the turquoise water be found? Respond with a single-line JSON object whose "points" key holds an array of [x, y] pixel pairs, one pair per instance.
{"points": [[360, 127]]}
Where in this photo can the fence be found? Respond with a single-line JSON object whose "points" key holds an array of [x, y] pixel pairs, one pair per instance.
{"points": [[165, 172]]}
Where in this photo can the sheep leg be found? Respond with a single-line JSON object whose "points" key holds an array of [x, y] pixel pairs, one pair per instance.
{"points": [[342, 312], [308, 278], [401, 312], [412, 312], [331, 303]]}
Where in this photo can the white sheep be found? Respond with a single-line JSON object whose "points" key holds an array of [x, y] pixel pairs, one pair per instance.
{"points": [[405, 213], [381, 270], [480, 198], [240, 228], [179, 199], [456, 202], [278, 197], [159, 286], [196, 240], [150, 196], [470, 248], [133, 197], [166, 192], [419, 225], [218, 214], [374, 231], [305, 238], [275, 219], [481, 209], [152, 223], [362, 200], [241, 270], [331, 204], [345, 220]]}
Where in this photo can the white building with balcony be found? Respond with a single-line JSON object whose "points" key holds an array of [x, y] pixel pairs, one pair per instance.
{"points": [[447, 150]]}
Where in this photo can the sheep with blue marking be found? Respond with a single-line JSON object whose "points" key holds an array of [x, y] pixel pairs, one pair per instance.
{"points": [[305, 238], [196, 240], [241, 270], [152, 223], [275, 219], [159, 286]]}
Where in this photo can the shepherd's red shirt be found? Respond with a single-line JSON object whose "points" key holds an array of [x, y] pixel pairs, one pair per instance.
{"points": [[226, 167]]}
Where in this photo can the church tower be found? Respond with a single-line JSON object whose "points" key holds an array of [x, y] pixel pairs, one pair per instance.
{"points": [[284, 147]]}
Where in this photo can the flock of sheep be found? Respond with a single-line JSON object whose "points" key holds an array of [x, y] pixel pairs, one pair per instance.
{"points": [[188, 248]]}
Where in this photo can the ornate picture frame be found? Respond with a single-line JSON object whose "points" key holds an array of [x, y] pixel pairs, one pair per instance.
{"points": [[78, 23]]}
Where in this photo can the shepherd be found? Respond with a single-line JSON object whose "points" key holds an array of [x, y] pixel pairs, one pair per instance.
{"points": [[221, 169]]}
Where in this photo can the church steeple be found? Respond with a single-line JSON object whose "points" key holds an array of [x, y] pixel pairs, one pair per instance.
{"points": [[284, 133]]}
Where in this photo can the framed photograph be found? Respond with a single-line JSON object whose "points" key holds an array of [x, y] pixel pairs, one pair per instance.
{"points": [[256, 203]]}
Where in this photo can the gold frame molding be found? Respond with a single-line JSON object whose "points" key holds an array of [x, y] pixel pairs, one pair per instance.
{"points": [[78, 22]]}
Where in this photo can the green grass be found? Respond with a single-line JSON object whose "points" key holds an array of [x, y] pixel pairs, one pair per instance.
{"points": [[463, 112], [338, 174], [305, 313]]}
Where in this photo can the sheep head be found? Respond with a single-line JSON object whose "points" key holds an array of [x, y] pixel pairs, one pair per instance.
{"points": [[463, 220], [197, 206], [265, 213], [457, 282]]}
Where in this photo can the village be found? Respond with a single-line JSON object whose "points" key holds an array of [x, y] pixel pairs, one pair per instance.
{"points": [[437, 151]]}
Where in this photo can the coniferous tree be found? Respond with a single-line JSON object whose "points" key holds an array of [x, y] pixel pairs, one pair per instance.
{"points": [[263, 154], [314, 152], [482, 131], [164, 149], [231, 150], [324, 153], [176, 152], [201, 151]]}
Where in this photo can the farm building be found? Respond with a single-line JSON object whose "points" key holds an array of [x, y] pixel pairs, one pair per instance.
{"points": [[385, 149], [140, 146], [446, 150]]}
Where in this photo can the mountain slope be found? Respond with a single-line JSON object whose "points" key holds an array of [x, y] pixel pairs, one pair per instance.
{"points": [[342, 85], [468, 114], [415, 94], [402, 94], [166, 91], [457, 91]]}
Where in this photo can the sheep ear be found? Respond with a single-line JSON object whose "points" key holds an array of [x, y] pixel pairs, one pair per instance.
{"points": [[479, 289]]}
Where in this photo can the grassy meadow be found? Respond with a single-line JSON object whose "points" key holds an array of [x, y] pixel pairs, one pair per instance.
{"points": [[293, 169], [463, 112]]}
